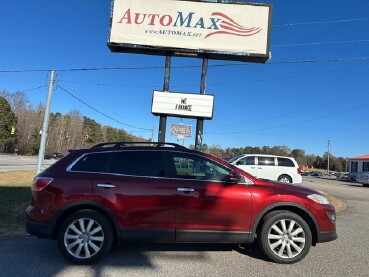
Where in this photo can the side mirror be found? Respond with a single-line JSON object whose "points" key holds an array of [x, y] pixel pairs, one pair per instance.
{"points": [[234, 177]]}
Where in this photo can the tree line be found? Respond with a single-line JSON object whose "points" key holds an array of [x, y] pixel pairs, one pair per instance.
{"points": [[21, 122], [20, 125], [308, 161]]}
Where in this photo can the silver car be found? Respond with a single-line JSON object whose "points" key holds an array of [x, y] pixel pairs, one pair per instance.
{"points": [[363, 178]]}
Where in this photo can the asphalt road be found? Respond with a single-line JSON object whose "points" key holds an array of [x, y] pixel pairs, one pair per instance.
{"points": [[13, 162], [347, 256]]}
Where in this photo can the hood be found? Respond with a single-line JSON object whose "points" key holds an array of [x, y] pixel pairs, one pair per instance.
{"points": [[288, 186]]}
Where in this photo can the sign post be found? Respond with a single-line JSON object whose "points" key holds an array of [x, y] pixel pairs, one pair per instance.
{"points": [[222, 30], [163, 118], [200, 121]]}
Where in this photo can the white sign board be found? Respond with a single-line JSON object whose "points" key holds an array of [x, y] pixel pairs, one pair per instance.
{"points": [[239, 31], [180, 130], [183, 104]]}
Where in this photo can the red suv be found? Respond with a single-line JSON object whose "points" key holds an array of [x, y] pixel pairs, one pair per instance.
{"points": [[160, 192]]}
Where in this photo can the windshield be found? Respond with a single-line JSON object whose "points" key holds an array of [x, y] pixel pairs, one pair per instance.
{"points": [[234, 159]]}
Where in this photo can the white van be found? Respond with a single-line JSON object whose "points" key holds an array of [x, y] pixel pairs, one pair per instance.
{"points": [[278, 168]]}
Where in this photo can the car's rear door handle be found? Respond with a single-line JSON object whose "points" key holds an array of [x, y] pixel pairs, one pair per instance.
{"points": [[106, 186], [186, 189]]}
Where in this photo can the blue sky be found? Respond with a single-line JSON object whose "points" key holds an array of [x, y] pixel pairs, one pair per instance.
{"points": [[300, 105]]}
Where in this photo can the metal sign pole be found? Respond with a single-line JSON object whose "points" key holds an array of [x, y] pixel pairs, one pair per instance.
{"points": [[200, 121], [163, 119]]}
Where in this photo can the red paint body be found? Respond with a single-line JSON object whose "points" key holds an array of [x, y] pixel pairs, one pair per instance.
{"points": [[148, 203]]}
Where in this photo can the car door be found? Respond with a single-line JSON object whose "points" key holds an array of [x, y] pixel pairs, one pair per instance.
{"points": [[135, 188], [207, 207], [266, 168], [248, 164]]}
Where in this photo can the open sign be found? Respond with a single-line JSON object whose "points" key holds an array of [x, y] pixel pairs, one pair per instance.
{"points": [[180, 130]]}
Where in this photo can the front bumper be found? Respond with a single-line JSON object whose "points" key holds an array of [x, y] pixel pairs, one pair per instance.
{"points": [[326, 236]]}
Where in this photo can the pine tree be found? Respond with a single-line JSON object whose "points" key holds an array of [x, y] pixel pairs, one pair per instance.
{"points": [[8, 123]]}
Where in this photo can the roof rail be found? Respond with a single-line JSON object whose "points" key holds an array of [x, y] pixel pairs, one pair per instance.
{"points": [[119, 144]]}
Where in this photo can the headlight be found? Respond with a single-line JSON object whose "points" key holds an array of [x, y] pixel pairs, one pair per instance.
{"points": [[319, 199]]}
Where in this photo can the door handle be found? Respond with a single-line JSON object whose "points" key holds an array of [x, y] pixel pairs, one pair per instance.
{"points": [[186, 189], [106, 186]]}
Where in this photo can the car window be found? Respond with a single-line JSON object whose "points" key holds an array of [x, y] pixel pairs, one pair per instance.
{"points": [[91, 162], [285, 162], [266, 161], [247, 161], [138, 163], [198, 168]]}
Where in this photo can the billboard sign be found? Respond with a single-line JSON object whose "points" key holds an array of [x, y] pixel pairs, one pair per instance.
{"points": [[181, 130], [231, 31], [185, 105]]}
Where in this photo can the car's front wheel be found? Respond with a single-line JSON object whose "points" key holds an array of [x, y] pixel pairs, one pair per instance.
{"points": [[285, 237], [85, 237]]}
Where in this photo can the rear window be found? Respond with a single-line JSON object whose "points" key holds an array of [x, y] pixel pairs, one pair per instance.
{"points": [[138, 163], [285, 162], [91, 162]]}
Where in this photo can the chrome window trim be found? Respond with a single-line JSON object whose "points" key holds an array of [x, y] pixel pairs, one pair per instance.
{"points": [[69, 168]]}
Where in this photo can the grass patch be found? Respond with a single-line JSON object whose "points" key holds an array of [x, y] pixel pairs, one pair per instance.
{"points": [[15, 196], [338, 204]]}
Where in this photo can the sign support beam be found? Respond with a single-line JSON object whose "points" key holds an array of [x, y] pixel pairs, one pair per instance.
{"points": [[163, 119], [200, 121]]}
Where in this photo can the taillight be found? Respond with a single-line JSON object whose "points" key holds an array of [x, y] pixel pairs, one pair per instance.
{"points": [[298, 170], [39, 183]]}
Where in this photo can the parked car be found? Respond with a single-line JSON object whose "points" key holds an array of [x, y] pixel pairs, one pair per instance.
{"points": [[57, 155], [278, 168], [95, 197], [363, 178], [48, 156]]}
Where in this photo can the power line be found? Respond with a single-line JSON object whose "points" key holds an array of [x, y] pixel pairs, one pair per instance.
{"points": [[185, 66], [319, 43], [291, 124], [295, 112], [322, 22], [102, 113], [274, 25], [272, 46], [97, 105], [216, 84]]}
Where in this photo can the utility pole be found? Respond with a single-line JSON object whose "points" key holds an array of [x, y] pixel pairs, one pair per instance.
{"points": [[45, 124], [329, 144]]}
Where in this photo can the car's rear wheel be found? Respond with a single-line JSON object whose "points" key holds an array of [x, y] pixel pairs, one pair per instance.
{"points": [[285, 179], [285, 237], [85, 237]]}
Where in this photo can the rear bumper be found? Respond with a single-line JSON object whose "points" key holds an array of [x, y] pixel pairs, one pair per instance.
{"points": [[326, 236], [42, 231]]}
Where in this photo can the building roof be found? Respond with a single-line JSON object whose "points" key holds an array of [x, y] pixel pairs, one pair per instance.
{"points": [[362, 157]]}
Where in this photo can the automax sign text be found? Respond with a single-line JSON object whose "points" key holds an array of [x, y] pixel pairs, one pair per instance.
{"points": [[231, 28]]}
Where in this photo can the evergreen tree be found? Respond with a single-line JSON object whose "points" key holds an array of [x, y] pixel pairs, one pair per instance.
{"points": [[8, 124]]}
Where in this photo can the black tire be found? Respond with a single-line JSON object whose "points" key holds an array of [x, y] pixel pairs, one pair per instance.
{"points": [[294, 237], [285, 179], [90, 245], [366, 185]]}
